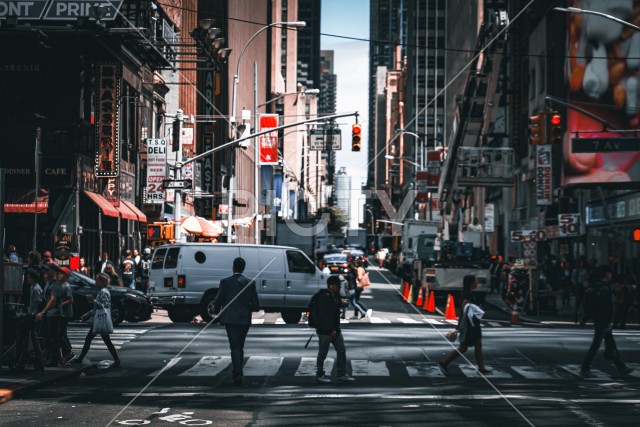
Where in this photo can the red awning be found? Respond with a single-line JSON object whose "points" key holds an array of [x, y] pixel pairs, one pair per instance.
{"points": [[141, 217], [21, 200], [103, 204], [125, 212]]}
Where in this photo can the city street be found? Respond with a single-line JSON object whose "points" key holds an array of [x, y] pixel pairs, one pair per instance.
{"points": [[533, 377]]}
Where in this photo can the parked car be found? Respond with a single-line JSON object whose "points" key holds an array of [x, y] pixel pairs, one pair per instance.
{"points": [[337, 263], [126, 304]]}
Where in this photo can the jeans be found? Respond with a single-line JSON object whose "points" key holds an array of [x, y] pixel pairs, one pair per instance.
{"points": [[357, 304], [323, 349], [107, 341], [237, 335], [603, 332], [129, 281]]}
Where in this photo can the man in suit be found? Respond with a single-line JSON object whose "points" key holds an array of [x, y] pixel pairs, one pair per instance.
{"points": [[102, 263], [237, 298]]}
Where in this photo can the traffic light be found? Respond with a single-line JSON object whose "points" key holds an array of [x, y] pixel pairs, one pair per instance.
{"points": [[636, 234], [356, 130], [154, 232], [537, 129], [555, 128]]}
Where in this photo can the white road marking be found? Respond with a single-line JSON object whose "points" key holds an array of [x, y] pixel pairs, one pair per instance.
{"points": [[208, 366], [171, 363], [407, 320], [369, 368], [636, 369], [307, 367], [537, 372], [373, 319], [471, 372], [496, 324], [597, 375], [257, 321], [280, 321], [433, 321], [260, 366], [424, 369]]}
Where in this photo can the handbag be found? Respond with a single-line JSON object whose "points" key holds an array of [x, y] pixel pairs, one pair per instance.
{"points": [[451, 336], [102, 323]]}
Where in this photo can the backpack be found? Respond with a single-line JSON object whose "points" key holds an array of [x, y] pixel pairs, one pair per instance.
{"points": [[312, 315]]}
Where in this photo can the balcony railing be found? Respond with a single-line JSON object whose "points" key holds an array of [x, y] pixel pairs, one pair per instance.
{"points": [[485, 166]]}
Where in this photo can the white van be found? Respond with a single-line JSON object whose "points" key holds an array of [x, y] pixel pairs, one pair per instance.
{"points": [[184, 278]]}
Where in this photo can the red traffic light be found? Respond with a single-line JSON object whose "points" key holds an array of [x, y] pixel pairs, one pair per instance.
{"points": [[556, 120], [153, 232], [636, 235]]}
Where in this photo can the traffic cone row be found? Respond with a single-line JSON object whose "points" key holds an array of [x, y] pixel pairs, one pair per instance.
{"points": [[405, 291], [450, 311], [420, 299], [430, 302], [410, 298]]}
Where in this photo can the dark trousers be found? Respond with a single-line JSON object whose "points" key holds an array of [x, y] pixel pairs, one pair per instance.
{"points": [[28, 331], [603, 332], [237, 335], [52, 337], [323, 349], [107, 340], [65, 344]]}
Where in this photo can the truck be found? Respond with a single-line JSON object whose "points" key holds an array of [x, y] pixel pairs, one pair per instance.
{"points": [[302, 235], [442, 271], [411, 229], [357, 237]]}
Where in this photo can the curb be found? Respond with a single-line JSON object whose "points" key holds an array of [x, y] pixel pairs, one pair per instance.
{"points": [[14, 391]]}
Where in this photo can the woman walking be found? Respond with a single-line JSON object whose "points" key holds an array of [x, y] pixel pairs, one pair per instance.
{"points": [[468, 327], [102, 324]]}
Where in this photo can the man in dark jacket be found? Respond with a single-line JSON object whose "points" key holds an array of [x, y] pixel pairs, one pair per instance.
{"points": [[237, 298], [327, 311], [602, 325]]}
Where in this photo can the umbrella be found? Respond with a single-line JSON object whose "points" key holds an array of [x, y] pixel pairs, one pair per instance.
{"points": [[198, 225]]}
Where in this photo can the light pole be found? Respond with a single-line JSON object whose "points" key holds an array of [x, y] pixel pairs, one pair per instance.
{"points": [[232, 119]]}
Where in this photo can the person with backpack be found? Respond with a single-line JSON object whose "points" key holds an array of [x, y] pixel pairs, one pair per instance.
{"points": [[143, 270], [324, 315], [598, 304], [128, 267]]}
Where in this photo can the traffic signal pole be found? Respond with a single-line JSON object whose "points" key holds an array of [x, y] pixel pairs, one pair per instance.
{"points": [[178, 193]]}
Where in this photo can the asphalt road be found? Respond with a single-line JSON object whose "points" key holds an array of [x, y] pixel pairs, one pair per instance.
{"points": [[533, 378]]}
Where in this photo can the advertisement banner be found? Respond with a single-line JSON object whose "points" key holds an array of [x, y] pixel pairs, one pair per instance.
{"points": [[156, 170], [544, 179], [268, 142], [266, 183], [602, 82], [489, 218], [107, 162], [277, 189]]}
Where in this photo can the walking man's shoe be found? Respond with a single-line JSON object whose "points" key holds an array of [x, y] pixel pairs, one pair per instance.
{"points": [[345, 379], [625, 371], [443, 367], [586, 373], [323, 379]]}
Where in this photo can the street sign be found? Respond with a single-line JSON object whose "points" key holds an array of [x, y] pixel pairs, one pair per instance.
{"points": [[176, 184], [604, 145], [569, 224], [319, 139], [521, 235]]}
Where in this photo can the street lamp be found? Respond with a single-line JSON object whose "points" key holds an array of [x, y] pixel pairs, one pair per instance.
{"points": [[278, 96], [593, 12], [232, 119], [403, 159]]}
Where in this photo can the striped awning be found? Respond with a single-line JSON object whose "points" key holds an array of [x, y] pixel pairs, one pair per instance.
{"points": [[103, 204], [141, 216], [21, 200]]}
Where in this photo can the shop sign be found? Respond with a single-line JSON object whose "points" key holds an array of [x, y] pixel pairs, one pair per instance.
{"points": [[268, 142], [111, 191], [568, 224], [544, 183], [156, 170], [107, 161], [489, 217], [55, 172], [57, 10], [62, 248]]}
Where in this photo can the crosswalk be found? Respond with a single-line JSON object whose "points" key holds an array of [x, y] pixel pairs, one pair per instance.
{"points": [[271, 366], [121, 335], [274, 319]]}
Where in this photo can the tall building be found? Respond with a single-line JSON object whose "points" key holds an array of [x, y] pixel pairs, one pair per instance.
{"points": [[328, 83], [343, 194], [309, 11]]}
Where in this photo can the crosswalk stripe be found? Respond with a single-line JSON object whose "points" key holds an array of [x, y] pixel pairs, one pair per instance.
{"points": [[494, 324], [575, 370], [307, 367], [207, 366], [259, 366], [171, 363], [472, 372], [537, 372], [433, 321], [407, 320], [636, 369], [424, 369], [369, 368], [379, 320], [257, 321]]}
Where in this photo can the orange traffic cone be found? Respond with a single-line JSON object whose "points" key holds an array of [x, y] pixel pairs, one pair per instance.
{"points": [[430, 305], [450, 311], [420, 299], [410, 298], [426, 299], [515, 316], [405, 294]]}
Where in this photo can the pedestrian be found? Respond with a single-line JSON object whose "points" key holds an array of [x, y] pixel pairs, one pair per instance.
{"points": [[31, 326], [380, 256], [52, 313], [580, 279], [114, 279], [67, 314], [33, 262], [354, 295], [136, 257], [102, 263], [13, 254], [327, 324], [101, 307], [237, 298], [469, 329], [47, 258], [128, 267], [603, 313], [83, 268], [622, 298], [363, 282], [143, 270]]}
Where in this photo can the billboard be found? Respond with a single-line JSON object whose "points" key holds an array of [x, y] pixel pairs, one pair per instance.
{"points": [[602, 72], [268, 142]]}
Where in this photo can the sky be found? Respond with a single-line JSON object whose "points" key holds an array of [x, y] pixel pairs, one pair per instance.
{"points": [[351, 66]]}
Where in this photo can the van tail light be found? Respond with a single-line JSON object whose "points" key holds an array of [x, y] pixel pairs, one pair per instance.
{"points": [[181, 281], [344, 265]]}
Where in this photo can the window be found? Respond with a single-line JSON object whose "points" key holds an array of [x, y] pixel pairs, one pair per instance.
{"points": [[158, 259], [172, 258], [200, 257], [299, 263]]}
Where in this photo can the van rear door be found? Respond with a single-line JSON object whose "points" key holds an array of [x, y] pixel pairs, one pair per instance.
{"points": [[303, 279], [271, 284]]}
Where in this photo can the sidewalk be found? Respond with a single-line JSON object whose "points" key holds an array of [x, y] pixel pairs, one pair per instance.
{"points": [[14, 384]]}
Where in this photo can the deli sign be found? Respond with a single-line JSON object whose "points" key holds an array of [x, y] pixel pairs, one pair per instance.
{"points": [[107, 160]]}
